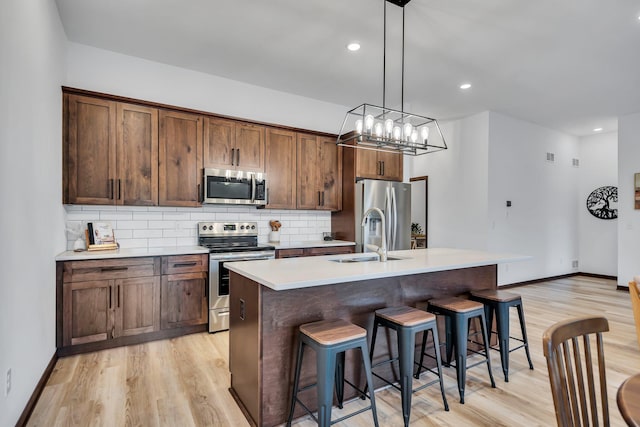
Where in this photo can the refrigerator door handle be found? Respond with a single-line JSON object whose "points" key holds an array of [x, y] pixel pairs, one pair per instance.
{"points": [[389, 214], [394, 207]]}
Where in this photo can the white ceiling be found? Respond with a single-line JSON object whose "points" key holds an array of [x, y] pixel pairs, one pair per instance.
{"points": [[571, 65]]}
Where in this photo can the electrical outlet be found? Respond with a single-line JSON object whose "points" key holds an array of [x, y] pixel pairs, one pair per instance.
{"points": [[8, 389], [574, 263]]}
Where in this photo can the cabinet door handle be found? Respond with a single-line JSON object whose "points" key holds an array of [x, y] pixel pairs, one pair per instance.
{"points": [[118, 291], [323, 198], [237, 157], [184, 264], [233, 156], [103, 269], [110, 297], [111, 189], [319, 199], [382, 163], [119, 189], [200, 196]]}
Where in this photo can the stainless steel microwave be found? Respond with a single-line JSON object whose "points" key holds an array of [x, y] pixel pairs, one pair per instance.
{"points": [[231, 187]]}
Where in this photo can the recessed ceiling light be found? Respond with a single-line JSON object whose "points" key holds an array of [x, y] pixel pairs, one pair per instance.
{"points": [[465, 86], [597, 130], [353, 46]]}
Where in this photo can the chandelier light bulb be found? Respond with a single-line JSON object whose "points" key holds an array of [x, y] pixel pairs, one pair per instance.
{"points": [[388, 126], [414, 136], [368, 122], [397, 132], [407, 129], [424, 133], [359, 126], [378, 129]]}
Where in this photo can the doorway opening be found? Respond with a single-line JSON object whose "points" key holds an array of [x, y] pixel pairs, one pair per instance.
{"points": [[419, 211]]}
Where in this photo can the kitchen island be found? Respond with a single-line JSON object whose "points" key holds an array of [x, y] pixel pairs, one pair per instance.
{"points": [[271, 298]]}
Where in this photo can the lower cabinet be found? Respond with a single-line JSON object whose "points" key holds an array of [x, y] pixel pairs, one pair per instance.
{"points": [[112, 302], [314, 251], [184, 300]]}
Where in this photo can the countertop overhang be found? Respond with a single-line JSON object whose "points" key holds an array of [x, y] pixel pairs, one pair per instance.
{"points": [[295, 273], [131, 253]]}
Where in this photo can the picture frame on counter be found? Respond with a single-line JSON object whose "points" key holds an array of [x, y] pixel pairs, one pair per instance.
{"points": [[100, 236]]}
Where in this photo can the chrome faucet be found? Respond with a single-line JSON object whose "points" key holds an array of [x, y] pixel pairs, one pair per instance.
{"points": [[382, 249]]}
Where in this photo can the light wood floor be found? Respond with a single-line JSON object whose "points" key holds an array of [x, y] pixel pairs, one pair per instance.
{"points": [[184, 381]]}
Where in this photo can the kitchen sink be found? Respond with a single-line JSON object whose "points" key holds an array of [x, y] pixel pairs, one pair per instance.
{"points": [[363, 259]]}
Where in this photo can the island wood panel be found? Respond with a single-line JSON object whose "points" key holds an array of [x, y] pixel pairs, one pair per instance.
{"points": [[275, 330]]}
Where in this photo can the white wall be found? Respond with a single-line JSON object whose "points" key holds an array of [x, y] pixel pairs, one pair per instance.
{"points": [[628, 217], [104, 71], [542, 219], [32, 44], [457, 214], [598, 239]]}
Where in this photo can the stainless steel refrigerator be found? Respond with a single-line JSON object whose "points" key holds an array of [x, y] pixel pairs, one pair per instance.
{"points": [[394, 200]]}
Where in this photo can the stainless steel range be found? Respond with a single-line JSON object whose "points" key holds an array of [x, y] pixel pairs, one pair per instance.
{"points": [[227, 241]]}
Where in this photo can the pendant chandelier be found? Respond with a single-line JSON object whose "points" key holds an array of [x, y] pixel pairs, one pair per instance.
{"points": [[384, 129]]}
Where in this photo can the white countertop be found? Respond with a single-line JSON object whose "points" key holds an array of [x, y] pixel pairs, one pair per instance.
{"points": [[131, 253], [295, 273], [312, 244]]}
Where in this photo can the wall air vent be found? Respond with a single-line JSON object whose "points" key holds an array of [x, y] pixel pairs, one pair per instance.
{"points": [[575, 163], [551, 157]]}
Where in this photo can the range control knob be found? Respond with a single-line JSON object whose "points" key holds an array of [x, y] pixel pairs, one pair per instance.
{"points": [[204, 227], [211, 227], [242, 227], [253, 227]]}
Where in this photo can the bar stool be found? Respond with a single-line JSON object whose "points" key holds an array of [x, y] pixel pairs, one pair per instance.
{"points": [[330, 339], [500, 302], [407, 322], [458, 313]]}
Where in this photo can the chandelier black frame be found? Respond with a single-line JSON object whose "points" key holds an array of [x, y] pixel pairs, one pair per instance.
{"points": [[385, 129]]}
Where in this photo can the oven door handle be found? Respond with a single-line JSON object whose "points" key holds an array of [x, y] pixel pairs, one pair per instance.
{"points": [[243, 257]]}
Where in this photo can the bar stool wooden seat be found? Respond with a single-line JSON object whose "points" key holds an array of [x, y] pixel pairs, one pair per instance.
{"points": [[330, 339], [500, 302], [458, 312], [407, 322]]}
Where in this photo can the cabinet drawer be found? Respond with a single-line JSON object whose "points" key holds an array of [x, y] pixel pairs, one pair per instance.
{"points": [[289, 253], [330, 250], [104, 269], [185, 264]]}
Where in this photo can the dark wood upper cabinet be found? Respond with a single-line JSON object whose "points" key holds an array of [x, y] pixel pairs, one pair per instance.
{"points": [[180, 158], [372, 164], [280, 167], [137, 155], [122, 151], [111, 153], [233, 145], [90, 152], [319, 173]]}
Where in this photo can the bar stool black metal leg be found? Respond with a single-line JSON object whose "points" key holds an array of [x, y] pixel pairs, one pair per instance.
{"points": [[524, 334], [296, 379], [340, 378], [425, 336], [373, 346], [502, 318], [461, 331], [434, 332], [485, 335], [449, 336], [406, 349], [367, 369], [326, 366]]}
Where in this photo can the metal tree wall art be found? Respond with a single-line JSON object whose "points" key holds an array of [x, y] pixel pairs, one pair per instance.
{"points": [[602, 202]]}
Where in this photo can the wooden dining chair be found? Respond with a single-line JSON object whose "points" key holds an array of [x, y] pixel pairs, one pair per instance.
{"points": [[571, 371], [635, 305]]}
